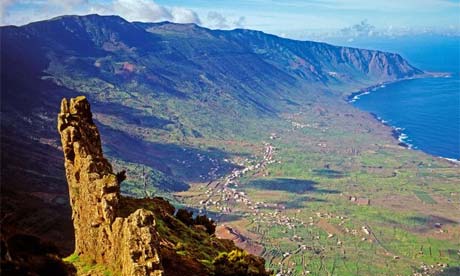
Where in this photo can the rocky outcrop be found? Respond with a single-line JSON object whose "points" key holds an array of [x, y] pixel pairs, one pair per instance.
{"points": [[128, 245]]}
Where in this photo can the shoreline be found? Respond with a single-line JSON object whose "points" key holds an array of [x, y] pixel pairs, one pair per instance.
{"points": [[354, 96], [396, 132]]}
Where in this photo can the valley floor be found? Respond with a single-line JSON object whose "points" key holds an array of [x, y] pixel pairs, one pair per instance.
{"points": [[332, 193]]}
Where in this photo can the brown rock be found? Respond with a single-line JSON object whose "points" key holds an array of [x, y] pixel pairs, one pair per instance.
{"points": [[127, 245]]}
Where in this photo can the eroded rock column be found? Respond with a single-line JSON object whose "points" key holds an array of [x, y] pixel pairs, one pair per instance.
{"points": [[126, 245]]}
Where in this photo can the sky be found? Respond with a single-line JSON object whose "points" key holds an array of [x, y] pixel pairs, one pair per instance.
{"points": [[298, 19]]}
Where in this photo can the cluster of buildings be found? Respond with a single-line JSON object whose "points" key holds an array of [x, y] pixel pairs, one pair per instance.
{"points": [[224, 192]]}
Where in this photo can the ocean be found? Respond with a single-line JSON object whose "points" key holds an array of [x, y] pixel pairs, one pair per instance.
{"points": [[425, 112]]}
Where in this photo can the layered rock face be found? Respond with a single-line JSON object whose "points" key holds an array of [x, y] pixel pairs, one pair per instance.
{"points": [[128, 245]]}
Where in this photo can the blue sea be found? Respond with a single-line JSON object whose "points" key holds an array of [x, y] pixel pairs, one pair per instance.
{"points": [[425, 111]]}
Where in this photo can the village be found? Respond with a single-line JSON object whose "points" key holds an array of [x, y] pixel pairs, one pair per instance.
{"points": [[224, 197], [293, 240]]}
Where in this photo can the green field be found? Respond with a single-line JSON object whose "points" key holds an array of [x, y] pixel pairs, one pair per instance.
{"points": [[425, 197], [403, 219], [309, 223]]}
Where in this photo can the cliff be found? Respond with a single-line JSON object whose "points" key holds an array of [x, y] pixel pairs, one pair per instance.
{"points": [[121, 234], [127, 244]]}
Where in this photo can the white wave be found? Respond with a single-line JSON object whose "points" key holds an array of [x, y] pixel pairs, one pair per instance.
{"points": [[357, 97], [403, 138], [456, 161]]}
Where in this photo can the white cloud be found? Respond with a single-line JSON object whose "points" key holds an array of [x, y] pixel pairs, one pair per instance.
{"points": [[182, 15], [131, 10], [148, 11], [240, 22], [217, 20], [139, 10], [4, 4], [363, 28]]}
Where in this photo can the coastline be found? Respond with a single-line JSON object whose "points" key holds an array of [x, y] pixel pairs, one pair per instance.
{"points": [[397, 132], [354, 96]]}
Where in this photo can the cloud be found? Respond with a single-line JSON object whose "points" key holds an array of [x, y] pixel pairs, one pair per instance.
{"points": [[139, 10], [149, 11], [132, 10], [240, 22], [363, 28], [4, 4], [182, 15], [217, 20]]}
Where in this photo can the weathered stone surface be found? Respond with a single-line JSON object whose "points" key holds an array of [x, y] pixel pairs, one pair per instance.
{"points": [[127, 245]]}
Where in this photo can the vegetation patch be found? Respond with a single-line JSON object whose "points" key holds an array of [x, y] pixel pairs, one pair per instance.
{"points": [[425, 197]]}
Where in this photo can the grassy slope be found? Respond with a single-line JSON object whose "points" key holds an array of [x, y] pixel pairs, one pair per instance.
{"points": [[184, 250]]}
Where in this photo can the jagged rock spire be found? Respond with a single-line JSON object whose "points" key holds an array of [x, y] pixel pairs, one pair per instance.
{"points": [[126, 245]]}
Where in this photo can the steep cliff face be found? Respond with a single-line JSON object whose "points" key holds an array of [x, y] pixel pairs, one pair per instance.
{"points": [[126, 244]]}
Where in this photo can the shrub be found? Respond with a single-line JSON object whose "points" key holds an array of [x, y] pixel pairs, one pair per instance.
{"points": [[239, 263], [185, 216], [207, 223]]}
